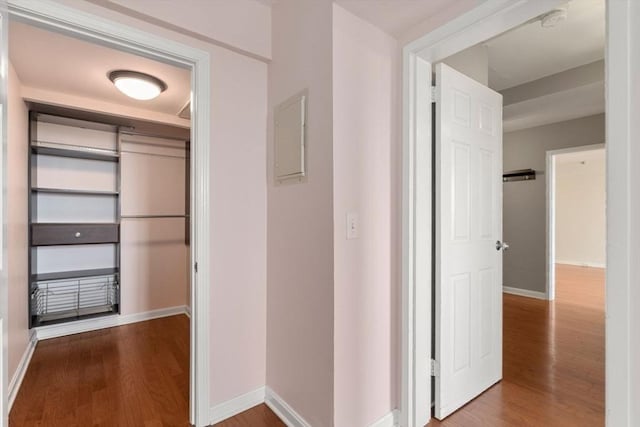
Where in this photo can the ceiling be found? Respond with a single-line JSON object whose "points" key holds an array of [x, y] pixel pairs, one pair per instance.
{"points": [[542, 51], [581, 101], [395, 16], [51, 61]]}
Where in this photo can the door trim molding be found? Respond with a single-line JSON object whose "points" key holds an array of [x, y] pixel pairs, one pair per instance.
{"points": [[485, 21], [53, 16], [550, 199]]}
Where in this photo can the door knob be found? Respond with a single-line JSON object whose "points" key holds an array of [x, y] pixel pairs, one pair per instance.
{"points": [[501, 246]]}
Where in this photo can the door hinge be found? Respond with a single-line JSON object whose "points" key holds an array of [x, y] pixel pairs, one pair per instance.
{"points": [[435, 368], [195, 267], [434, 94]]}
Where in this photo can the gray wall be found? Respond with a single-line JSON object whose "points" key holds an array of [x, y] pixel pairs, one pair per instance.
{"points": [[473, 62], [525, 201]]}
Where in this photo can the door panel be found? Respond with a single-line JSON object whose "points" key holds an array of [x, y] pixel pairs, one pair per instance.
{"points": [[468, 288]]}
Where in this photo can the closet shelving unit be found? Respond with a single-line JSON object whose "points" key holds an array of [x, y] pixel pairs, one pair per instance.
{"points": [[74, 219]]}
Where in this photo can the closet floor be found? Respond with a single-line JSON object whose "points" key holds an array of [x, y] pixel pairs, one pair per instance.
{"points": [[132, 375]]}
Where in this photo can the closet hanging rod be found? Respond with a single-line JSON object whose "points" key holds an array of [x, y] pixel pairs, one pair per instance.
{"points": [[152, 216], [128, 132]]}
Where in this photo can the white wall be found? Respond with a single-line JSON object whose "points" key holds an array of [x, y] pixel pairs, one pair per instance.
{"points": [[239, 225], [300, 219], [17, 222], [623, 223], [365, 289], [580, 198], [240, 24], [524, 202], [238, 202]]}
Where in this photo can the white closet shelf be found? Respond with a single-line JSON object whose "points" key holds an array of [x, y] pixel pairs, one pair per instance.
{"points": [[102, 155], [76, 274]]}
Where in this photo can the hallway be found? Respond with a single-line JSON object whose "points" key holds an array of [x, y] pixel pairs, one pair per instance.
{"points": [[138, 374]]}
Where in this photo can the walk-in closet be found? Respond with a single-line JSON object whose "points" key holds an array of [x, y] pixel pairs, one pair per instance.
{"points": [[99, 230], [108, 206]]}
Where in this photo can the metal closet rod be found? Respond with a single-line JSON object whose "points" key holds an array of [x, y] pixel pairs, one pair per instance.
{"points": [[152, 216]]}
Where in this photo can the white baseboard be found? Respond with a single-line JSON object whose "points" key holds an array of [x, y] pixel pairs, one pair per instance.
{"points": [[524, 292], [390, 420], [187, 311], [282, 409], [583, 264], [18, 376], [80, 326], [237, 405]]}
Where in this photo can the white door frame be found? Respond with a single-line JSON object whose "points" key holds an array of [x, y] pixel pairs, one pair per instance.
{"points": [[53, 16], [485, 21], [550, 288], [4, 279]]}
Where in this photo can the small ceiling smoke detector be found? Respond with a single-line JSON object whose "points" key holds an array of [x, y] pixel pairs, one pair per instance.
{"points": [[137, 85], [553, 18]]}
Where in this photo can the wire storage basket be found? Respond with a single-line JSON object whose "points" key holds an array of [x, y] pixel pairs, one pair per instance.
{"points": [[65, 299]]}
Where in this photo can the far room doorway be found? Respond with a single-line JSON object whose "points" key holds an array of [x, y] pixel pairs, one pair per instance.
{"points": [[576, 189]]}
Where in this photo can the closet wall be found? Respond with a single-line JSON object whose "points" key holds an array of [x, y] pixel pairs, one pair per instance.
{"points": [[154, 223], [17, 223]]}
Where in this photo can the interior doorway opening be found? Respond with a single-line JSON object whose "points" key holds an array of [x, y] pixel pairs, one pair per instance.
{"points": [[576, 188], [420, 58], [89, 28]]}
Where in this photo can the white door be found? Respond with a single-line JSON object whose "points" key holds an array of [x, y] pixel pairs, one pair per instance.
{"points": [[468, 267]]}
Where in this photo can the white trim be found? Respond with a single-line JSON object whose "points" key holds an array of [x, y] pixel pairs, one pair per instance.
{"points": [[550, 194], [239, 404], [18, 376], [524, 292], [187, 311], [4, 278], [88, 325], [485, 21], [389, 420], [583, 264], [52, 15], [622, 62], [282, 409]]}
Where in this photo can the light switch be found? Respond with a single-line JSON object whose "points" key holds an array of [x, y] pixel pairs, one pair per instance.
{"points": [[352, 226]]}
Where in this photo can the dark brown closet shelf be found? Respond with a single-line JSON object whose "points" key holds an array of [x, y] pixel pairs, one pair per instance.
{"points": [[76, 154], [61, 275], [56, 234], [74, 192]]}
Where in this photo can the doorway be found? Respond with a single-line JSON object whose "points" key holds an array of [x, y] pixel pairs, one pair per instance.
{"points": [[483, 23], [576, 193], [61, 19]]}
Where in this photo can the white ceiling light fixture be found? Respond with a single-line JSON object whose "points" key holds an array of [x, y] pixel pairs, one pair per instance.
{"points": [[553, 18], [137, 85]]}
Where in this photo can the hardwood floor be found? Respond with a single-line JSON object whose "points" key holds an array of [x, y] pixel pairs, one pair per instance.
{"points": [[133, 375], [259, 416], [553, 359], [138, 375]]}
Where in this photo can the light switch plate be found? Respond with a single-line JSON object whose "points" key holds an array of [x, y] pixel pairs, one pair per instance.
{"points": [[353, 227]]}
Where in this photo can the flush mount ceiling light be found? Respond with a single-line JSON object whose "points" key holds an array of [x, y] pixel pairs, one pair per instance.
{"points": [[137, 85]]}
